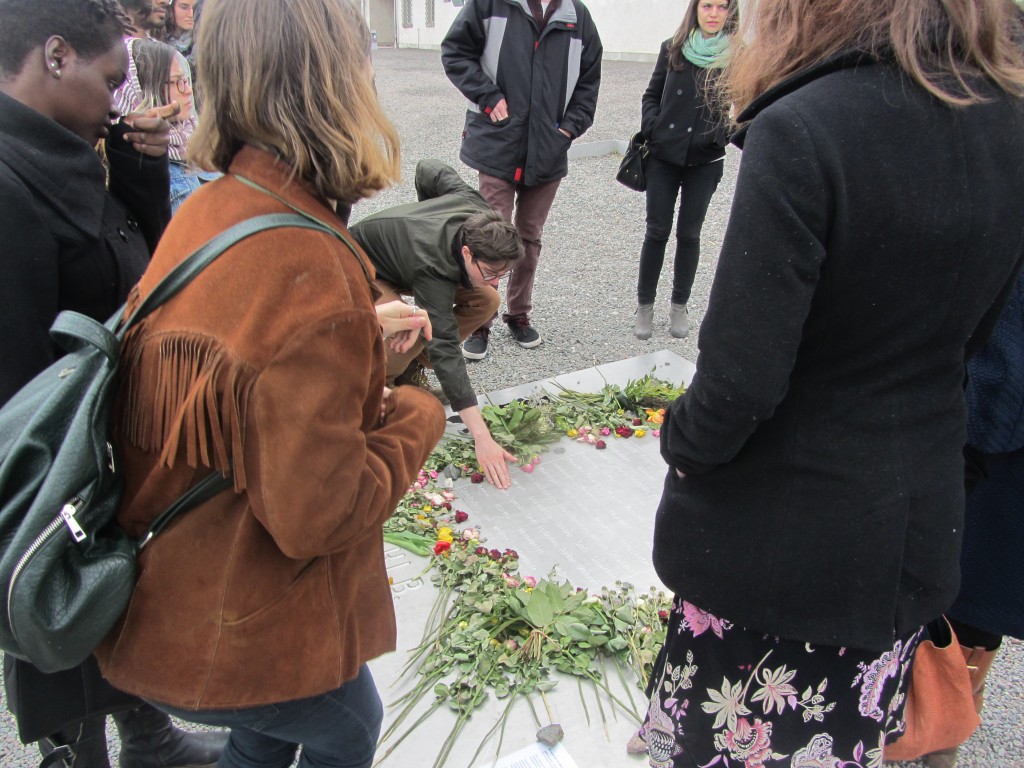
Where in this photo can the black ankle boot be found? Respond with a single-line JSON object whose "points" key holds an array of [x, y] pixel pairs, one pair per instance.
{"points": [[150, 740], [83, 746]]}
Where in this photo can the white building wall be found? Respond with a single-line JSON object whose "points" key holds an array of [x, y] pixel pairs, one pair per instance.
{"points": [[630, 30]]}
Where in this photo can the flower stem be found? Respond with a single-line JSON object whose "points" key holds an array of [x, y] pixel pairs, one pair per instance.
{"points": [[583, 700], [413, 727], [500, 724], [533, 709]]}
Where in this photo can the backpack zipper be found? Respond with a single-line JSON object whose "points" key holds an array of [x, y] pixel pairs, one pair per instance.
{"points": [[65, 518]]}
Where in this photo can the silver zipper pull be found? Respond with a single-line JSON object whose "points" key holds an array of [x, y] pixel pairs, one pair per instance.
{"points": [[68, 513]]}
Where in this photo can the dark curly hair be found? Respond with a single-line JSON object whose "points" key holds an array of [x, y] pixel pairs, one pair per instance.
{"points": [[91, 27], [492, 239]]}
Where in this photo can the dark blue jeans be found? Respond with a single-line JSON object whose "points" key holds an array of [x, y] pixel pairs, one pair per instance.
{"points": [[664, 182], [338, 729]]}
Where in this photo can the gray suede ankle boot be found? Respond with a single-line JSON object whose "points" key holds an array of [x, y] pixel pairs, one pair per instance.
{"points": [[644, 326], [678, 320]]}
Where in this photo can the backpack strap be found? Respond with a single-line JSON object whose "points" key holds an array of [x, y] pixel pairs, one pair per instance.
{"points": [[61, 757], [204, 490], [72, 330], [186, 271]]}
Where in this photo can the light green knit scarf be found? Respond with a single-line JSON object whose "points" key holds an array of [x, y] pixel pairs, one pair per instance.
{"points": [[707, 52]]}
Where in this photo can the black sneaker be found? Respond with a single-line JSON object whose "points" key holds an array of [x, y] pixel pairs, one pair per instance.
{"points": [[475, 345], [525, 335]]}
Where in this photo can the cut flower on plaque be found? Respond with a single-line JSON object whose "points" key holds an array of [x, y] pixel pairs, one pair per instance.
{"points": [[495, 632], [424, 517], [526, 427]]}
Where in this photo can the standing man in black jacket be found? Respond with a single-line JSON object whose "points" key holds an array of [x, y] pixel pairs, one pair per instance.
{"points": [[530, 71]]}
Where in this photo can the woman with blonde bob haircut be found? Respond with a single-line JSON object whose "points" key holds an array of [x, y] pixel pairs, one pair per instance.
{"points": [[810, 521], [259, 609], [295, 79]]}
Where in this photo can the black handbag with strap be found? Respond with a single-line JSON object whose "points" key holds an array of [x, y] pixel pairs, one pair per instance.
{"points": [[67, 569], [631, 171]]}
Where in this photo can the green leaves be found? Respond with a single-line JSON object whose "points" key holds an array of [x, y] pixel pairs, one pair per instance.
{"points": [[524, 427], [493, 631], [539, 610]]}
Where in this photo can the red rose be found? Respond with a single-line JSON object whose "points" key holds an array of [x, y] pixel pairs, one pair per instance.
{"points": [[476, 477], [624, 431], [663, 615], [442, 546], [495, 554], [460, 516], [480, 551], [637, 422], [511, 553], [447, 505], [601, 445]]}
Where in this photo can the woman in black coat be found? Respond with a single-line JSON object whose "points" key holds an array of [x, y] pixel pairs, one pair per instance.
{"points": [[686, 136], [68, 243], [810, 521]]}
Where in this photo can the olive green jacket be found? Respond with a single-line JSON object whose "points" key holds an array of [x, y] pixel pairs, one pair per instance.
{"points": [[417, 247]]}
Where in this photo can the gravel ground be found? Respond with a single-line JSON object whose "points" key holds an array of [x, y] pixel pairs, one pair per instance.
{"points": [[585, 297]]}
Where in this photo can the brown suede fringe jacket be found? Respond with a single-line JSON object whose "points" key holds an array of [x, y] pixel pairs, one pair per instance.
{"points": [[270, 365]]}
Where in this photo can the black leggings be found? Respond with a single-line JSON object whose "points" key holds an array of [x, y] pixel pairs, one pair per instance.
{"points": [[664, 182]]}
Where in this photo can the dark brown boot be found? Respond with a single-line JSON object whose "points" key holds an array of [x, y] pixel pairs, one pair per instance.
{"points": [[150, 740]]}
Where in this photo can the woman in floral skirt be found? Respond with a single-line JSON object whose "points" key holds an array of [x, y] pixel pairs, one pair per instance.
{"points": [[811, 517]]}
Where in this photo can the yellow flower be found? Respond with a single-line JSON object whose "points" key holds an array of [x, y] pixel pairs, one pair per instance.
{"points": [[463, 624], [421, 517], [445, 534], [572, 433], [640, 433], [428, 508]]}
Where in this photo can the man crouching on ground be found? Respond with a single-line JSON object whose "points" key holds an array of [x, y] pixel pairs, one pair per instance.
{"points": [[449, 251]]}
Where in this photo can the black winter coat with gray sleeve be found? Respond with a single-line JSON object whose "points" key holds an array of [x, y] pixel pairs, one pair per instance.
{"points": [[549, 78]]}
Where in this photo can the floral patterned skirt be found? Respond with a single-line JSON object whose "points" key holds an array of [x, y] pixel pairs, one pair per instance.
{"points": [[724, 696]]}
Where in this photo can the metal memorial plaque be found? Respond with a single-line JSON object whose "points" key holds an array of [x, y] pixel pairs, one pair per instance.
{"points": [[587, 513]]}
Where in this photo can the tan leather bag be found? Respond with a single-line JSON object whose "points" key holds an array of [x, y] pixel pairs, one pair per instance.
{"points": [[940, 712]]}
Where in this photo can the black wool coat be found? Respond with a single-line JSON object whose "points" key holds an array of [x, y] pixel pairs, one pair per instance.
{"points": [[66, 243], [680, 126], [874, 235]]}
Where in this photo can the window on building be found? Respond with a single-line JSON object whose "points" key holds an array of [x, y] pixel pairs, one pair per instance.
{"points": [[430, 13], [406, 13]]}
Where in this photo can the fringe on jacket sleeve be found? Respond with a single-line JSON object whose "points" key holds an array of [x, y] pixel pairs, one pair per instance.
{"points": [[183, 394]]}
